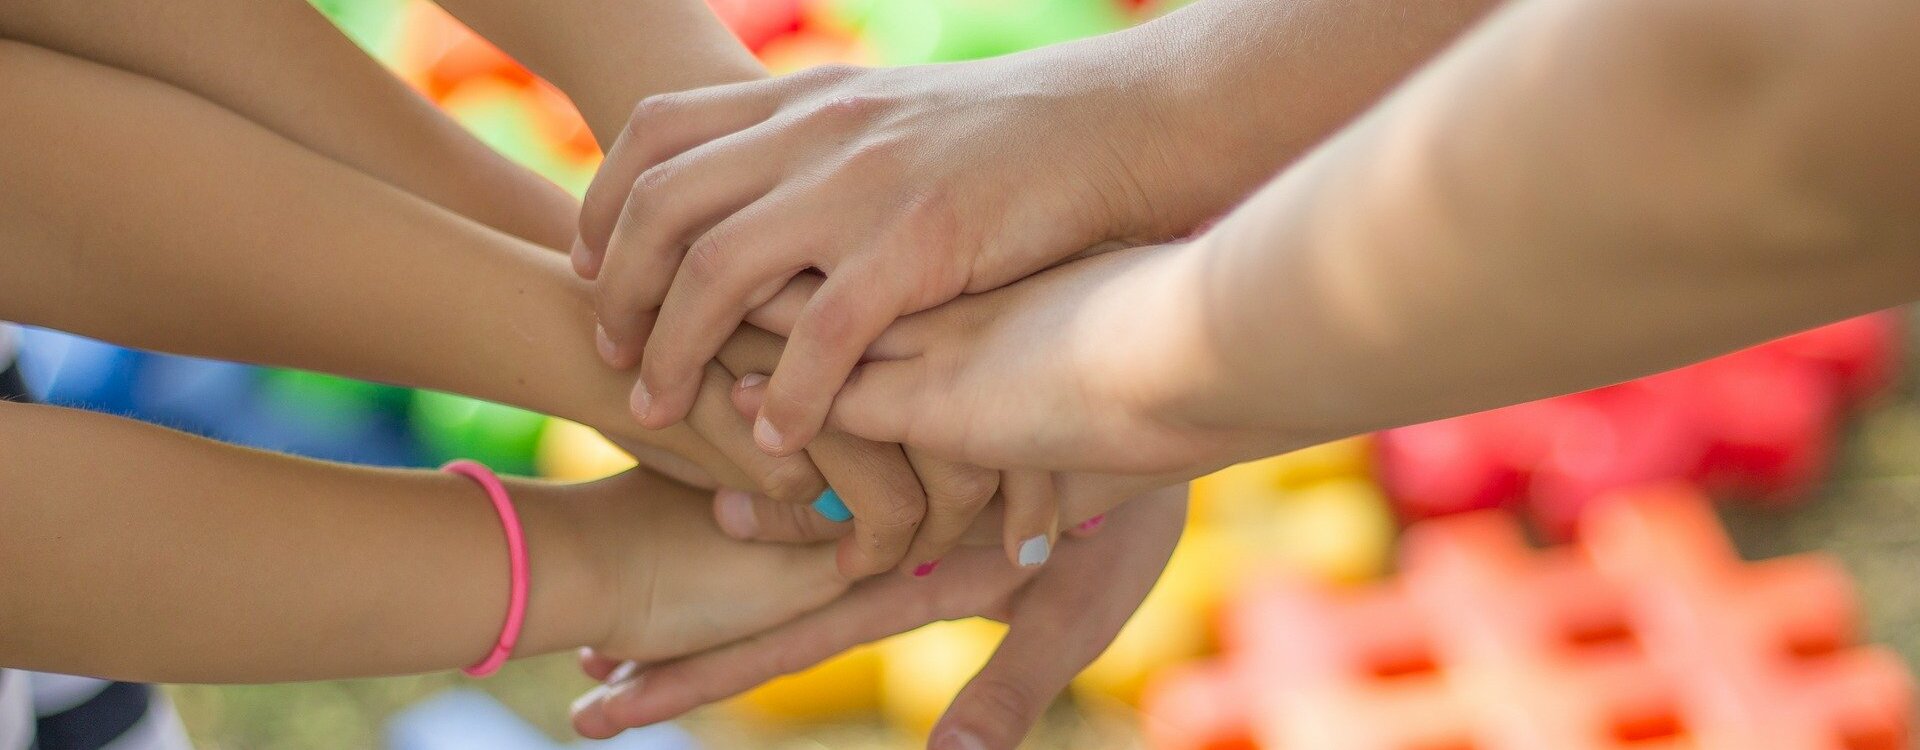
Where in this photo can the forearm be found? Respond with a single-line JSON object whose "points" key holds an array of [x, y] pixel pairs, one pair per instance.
{"points": [[144, 216], [609, 54], [280, 64], [1250, 85], [1581, 193], [138, 553]]}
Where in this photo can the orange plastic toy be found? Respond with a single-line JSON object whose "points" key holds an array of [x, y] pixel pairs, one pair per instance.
{"points": [[1651, 633]]}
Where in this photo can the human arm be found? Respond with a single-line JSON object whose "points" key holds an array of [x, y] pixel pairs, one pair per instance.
{"points": [[134, 552], [1578, 193], [909, 186], [280, 64]]}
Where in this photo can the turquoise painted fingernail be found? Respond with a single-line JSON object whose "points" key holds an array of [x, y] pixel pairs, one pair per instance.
{"points": [[831, 507]]}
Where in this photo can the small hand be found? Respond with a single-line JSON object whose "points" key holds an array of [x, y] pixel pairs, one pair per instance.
{"points": [[1062, 617], [904, 187], [676, 584]]}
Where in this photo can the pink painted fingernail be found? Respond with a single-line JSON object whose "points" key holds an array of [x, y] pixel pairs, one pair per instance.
{"points": [[751, 381], [925, 569], [1090, 525]]}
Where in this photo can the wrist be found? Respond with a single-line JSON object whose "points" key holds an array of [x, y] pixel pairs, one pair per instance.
{"points": [[572, 583]]}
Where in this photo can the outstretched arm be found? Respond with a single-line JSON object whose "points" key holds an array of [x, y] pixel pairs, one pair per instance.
{"points": [[1581, 192], [283, 66], [133, 552]]}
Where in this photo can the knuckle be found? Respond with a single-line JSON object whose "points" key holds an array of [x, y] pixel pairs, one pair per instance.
{"points": [[791, 482], [896, 518], [706, 261], [834, 319], [965, 490], [1008, 703], [831, 72], [650, 110]]}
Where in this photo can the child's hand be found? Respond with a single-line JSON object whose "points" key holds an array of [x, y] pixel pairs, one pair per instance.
{"points": [[676, 584], [906, 187], [1062, 616]]}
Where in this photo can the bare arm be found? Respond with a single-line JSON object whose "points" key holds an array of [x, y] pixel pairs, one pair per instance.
{"points": [[195, 231], [1582, 191], [280, 64]]}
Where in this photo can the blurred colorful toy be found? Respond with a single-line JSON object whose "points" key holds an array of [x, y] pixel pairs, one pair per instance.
{"points": [[502, 437], [577, 453], [1758, 424], [69, 370], [923, 670], [471, 720], [1651, 633], [841, 688]]}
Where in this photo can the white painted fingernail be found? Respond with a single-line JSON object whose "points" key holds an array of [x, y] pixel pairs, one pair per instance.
{"points": [[959, 740], [1035, 551], [597, 694], [622, 672]]}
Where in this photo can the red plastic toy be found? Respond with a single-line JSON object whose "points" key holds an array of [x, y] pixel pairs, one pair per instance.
{"points": [[1757, 424], [1649, 634]]}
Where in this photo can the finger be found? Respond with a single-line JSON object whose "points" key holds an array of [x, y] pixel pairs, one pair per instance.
{"points": [[793, 479], [874, 609], [596, 666], [880, 487], [669, 204], [734, 267], [956, 493], [778, 314], [880, 400], [1032, 516], [757, 518], [1058, 626], [848, 312], [661, 127]]}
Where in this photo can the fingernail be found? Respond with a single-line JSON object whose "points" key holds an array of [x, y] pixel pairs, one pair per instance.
{"points": [[925, 569], [625, 687], [831, 507], [1088, 526], [622, 672], [1035, 551], [609, 353], [580, 259], [765, 433], [751, 381], [735, 509], [597, 694], [642, 401], [958, 740]]}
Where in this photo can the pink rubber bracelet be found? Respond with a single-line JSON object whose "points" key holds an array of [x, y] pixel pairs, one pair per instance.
{"points": [[516, 564]]}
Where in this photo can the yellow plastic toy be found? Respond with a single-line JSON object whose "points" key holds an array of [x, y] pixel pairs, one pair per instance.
{"points": [[575, 453], [926, 668], [842, 688]]}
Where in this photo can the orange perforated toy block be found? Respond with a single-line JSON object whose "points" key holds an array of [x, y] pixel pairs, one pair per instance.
{"points": [[1649, 634]]}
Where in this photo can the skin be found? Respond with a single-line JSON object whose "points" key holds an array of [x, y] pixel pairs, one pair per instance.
{"points": [[1541, 243], [299, 65], [893, 183], [305, 66], [352, 228], [316, 556]]}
